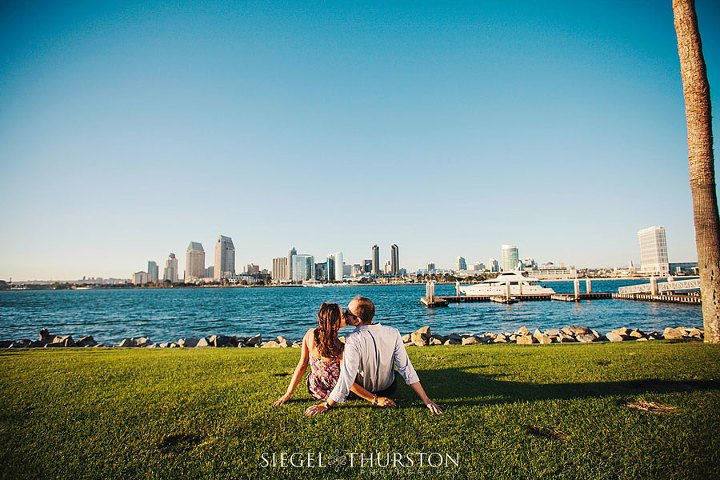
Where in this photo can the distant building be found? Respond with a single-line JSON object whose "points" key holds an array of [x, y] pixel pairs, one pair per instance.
{"points": [[290, 263], [251, 269], [330, 268], [339, 267], [430, 268], [356, 270], [347, 270], [653, 251], [510, 258], [140, 278], [171, 269], [461, 263], [194, 262], [321, 271], [478, 267], [388, 268], [153, 271], [303, 267], [375, 259], [367, 266], [394, 260], [493, 265], [280, 269], [224, 258], [210, 272]]}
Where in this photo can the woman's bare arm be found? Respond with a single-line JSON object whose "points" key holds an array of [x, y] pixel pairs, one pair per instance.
{"points": [[300, 370]]}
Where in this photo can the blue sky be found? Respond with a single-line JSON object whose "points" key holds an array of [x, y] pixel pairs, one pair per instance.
{"points": [[128, 130]]}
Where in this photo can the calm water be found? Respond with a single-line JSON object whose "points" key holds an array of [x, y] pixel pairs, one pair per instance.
{"points": [[165, 315]]}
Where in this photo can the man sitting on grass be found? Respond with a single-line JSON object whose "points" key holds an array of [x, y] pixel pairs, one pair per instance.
{"points": [[370, 352]]}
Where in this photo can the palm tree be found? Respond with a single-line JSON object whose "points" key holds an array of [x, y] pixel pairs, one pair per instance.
{"points": [[702, 168]]}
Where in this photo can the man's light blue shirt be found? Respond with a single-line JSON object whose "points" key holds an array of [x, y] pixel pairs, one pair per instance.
{"points": [[368, 358]]}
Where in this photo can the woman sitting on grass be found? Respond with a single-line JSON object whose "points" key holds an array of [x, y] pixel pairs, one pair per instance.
{"points": [[323, 350]]}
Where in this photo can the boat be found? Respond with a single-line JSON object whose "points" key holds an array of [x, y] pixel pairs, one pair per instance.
{"points": [[517, 282]]}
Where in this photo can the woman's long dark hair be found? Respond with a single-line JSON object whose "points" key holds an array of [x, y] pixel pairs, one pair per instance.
{"points": [[326, 333]]}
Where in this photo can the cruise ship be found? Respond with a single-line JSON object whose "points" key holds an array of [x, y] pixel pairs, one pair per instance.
{"points": [[519, 285]]}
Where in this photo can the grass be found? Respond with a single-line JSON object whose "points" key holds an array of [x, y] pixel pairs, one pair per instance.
{"points": [[556, 411]]}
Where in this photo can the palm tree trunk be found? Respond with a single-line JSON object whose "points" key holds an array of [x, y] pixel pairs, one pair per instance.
{"points": [[702, 168]]}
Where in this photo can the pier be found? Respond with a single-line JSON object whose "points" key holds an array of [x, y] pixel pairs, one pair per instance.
{"points": [[651, 292]]}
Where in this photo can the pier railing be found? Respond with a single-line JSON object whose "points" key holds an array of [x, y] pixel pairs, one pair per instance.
{"points": [[669, 286]]}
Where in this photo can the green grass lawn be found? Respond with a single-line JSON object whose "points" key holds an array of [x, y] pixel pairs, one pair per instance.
{"points": [[511, 412]]}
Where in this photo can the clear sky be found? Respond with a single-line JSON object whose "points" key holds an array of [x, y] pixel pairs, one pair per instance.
{"points": [[129, 129]]}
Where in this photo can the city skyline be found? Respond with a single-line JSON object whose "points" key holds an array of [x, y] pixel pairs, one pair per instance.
{"points": [[116, 123]]}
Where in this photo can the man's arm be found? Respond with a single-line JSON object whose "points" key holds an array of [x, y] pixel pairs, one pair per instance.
{"points": [[404, 366]]}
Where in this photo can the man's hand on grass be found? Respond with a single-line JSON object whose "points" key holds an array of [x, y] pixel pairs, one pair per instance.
{"points": [[384, 402], [434, 408]]}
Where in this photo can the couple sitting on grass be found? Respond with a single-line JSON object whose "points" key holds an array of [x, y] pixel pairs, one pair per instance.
{"points": [[363, 365]]}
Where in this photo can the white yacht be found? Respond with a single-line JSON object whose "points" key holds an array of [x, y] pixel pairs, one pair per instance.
{"points": [[519, 285]]}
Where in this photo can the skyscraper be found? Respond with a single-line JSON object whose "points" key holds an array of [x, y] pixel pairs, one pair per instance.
{"points": [[224, 258], [153, 271], [394, 260], [510, 258], [290, 263], [279, 269], [461, 263], [171, 269], [330, 268], [339, 267], [653, 251], [375, 258], [303, 267], [194, 262], [493, 265]]}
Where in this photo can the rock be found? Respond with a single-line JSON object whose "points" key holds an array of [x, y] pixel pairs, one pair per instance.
{"points": [[672, 334], [143, 342], [271, 344], [452, 341], [544, 339], [525, 339], [5, 343], [470, 341], [596, 334], [283, 342], [643, 339], [173, 345], [46, 336], [454, 336], [553, 332], [405, 338], [421, 335], [86, 341], [49, 345], [522, 331], [297, 344], [424, 330], [500, 338], [537, 333], [635, 333], [418, 343], [187, 342], [203, 343], [254, 341], [564, 338], [622, 331], [35, 344], [696, 333], [163, 345], [615, 337], [435, 341], [127, 342], [574, 330], [585, 338]]}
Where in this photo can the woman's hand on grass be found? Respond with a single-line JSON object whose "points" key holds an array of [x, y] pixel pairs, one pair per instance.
{"points": [[281, 400], [434, 408], [315, 409]]}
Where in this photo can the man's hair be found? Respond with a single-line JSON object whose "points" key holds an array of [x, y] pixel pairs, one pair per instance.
{"points": [[365, 309]]}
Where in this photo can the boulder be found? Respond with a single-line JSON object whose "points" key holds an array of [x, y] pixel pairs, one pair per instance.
{"points": [[5, 343], [271, 344], [565, 338], [525, 339], [421, 335], [203, 343], [47, 345], [621, 331], [643, 339], [297, 344], [470, 340], [86, 341], [127, 342], [187, 342], [575, 330], [435, 341], [543, 339], [418, 343], [596, 334], [553, 332], [283, 342], [46, 336], [221, 341], [143, 342], [585, 338], [405, 338], [452, 341], [173, 345], [695, 333], [615, 337], [672, 334], [500, 338], [254, 341], [635, 333], [454, 336], [163, 345], [522, 331]]}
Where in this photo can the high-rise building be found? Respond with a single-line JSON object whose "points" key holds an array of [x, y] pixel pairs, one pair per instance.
{"points": [[224, 258], [330, 268], [357, 270], [339, 267], [653, 251], [478, 267], [251, 269], [375, 260], [430, 268], [367, 266], [388, 268], [303, 267], [194, 262], [140, 278], [461, 263], [394, 260], [510, 258], [171, 269], [210, 272], [493, 265], [290, 263], [153, 271], [279, 269], [321, 271]]}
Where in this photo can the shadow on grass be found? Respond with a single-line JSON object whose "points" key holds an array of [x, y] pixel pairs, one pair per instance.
{"points": [[457, 386]]}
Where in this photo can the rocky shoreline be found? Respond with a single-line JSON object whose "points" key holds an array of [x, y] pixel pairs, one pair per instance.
{"points": [[420, 338]]}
